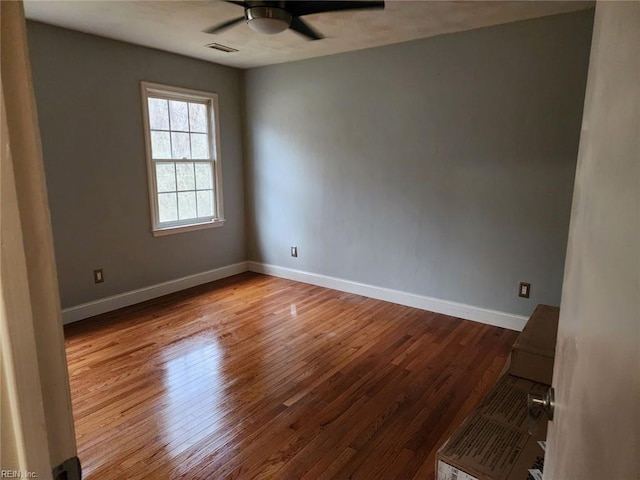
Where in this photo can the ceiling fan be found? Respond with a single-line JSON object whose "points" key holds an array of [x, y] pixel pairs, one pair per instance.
{"points": [[270, 17]]}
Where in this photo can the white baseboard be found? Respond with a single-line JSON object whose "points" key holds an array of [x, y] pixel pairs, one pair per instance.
{"points": [[460, 310], [96, 307]]}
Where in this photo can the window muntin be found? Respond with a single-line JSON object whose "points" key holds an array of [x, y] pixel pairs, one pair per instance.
{"points": [[181, 131]]}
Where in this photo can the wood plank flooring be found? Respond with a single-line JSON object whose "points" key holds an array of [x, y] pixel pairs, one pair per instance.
{"points": [[256, 377]]}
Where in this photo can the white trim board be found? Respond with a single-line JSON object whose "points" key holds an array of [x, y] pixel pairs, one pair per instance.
{"points": [[454, 309], [460, 310], [108, 304]]}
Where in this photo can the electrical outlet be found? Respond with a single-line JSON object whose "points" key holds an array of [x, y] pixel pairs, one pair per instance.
{"points": [[525, 290], [98, 276], [294, 251]]}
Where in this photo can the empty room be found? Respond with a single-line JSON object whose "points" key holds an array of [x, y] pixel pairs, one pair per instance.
{"points": [[305, 240]]}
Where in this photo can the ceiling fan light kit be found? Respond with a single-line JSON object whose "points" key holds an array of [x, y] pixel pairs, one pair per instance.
{"points": [[268, 20]]}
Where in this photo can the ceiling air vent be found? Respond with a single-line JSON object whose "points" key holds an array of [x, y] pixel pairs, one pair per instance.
{"points": [[222, 48]]}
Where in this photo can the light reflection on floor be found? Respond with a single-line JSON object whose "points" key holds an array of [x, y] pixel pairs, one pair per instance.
{"points": [[194, 393]]}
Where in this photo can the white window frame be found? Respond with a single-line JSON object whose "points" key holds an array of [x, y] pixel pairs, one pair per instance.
{"points": [[156, 90]]}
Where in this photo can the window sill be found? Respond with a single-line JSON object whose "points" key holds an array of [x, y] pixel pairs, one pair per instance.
{"points": [[160, 232]]}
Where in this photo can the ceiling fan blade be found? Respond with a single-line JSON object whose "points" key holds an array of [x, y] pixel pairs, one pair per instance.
{"points": [[223, 26], [297, 9], [240, 4], [303, 28]]}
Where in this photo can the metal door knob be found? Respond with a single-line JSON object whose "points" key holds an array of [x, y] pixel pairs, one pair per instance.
{"points": [[537, 403]]}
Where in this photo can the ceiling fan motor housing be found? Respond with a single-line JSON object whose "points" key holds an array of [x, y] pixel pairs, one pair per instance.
{"points": [[268, 20]]}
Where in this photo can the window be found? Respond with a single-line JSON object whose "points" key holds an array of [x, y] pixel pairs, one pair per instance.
{"points": [[183, 158]]}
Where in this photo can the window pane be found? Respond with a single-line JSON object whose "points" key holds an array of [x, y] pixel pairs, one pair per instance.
{"points": [[160, 145], [187, 205], [167, 207], [203, 176], [199, 145], [205, 203], [186, 178], [158, 114], [179, 115], [166, 177], [180, 145], [198, 117]]}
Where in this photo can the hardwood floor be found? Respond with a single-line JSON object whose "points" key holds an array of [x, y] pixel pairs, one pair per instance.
{"points": [[260, 377]]}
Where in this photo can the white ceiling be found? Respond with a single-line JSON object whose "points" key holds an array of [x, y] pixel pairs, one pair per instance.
{"points": [[176, 26]]}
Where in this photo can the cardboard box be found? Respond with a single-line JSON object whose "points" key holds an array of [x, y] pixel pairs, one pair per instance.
{"points": [[534, 350], [494, 442]]}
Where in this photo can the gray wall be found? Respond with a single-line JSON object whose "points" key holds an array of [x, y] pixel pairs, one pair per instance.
{"points": [[88, 99], [442, 167]]}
